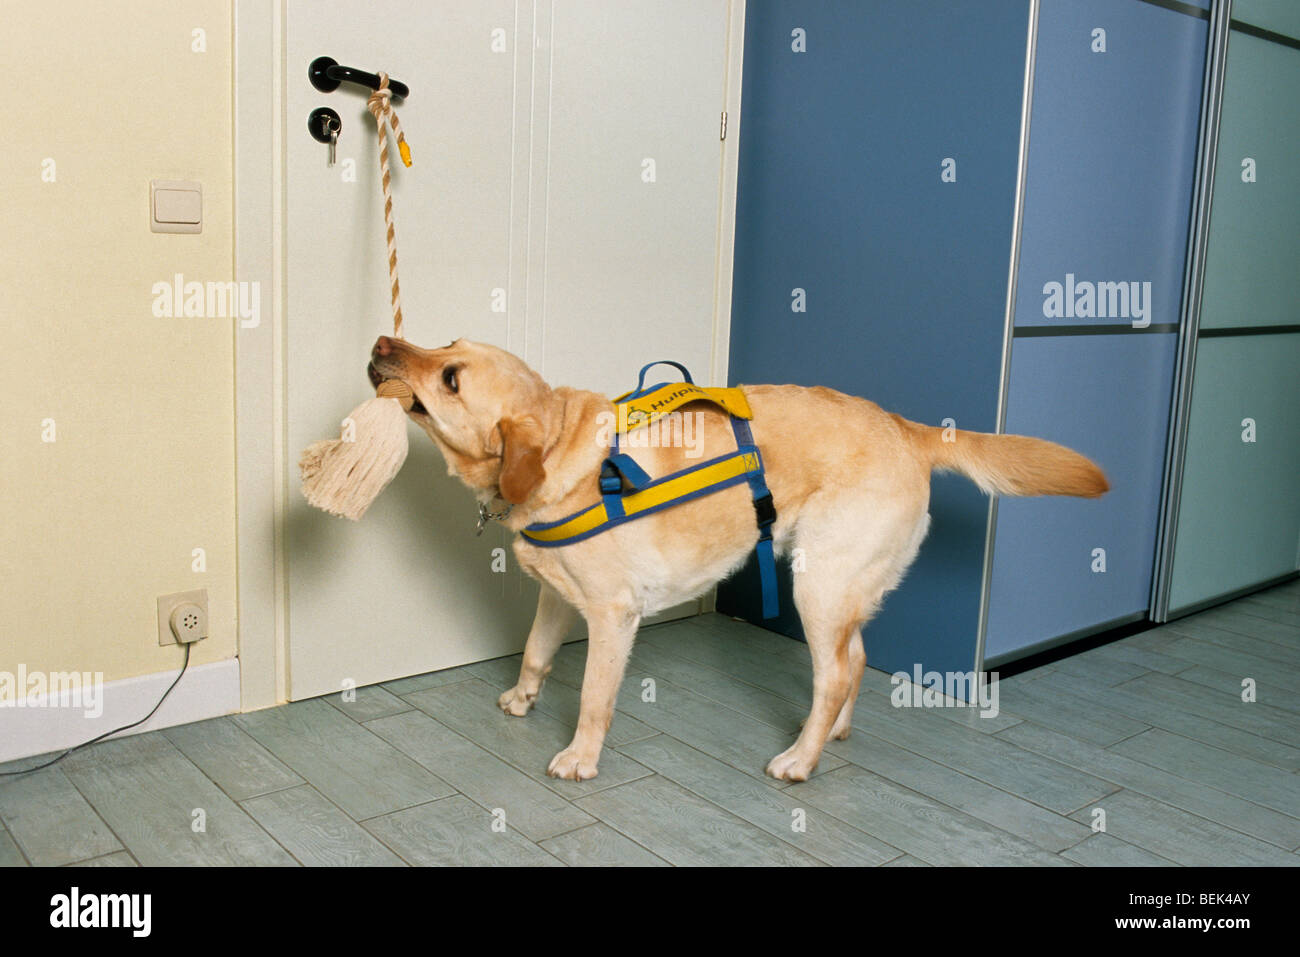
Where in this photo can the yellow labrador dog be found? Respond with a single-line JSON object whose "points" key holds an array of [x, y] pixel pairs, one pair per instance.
{"points": [[851, 485]]}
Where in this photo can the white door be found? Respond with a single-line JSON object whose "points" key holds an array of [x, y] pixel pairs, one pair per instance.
{"points": [[631, 199], [529, 219]]}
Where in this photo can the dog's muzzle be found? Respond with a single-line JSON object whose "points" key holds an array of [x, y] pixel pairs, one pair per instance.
{"points": [[377, 377]]}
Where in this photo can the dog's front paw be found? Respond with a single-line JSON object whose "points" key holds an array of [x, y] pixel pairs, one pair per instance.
{"points": [[789, 765], [516, 702], [572, 766]]}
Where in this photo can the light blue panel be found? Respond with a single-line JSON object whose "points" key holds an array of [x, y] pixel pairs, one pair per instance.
{"points": [[1238, 523], [1239, 517], [1280, 16], [1111, 152], [840, 194], [1107, 396], [1254, 242]]}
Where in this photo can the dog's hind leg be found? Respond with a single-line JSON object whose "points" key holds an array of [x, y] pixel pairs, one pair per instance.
{"points": [[551, 624], [857, 665], [830, 638], [857, 651], [850, 566]]}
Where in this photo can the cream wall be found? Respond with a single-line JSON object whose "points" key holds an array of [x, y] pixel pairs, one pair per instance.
{"points": [[96, 525]]}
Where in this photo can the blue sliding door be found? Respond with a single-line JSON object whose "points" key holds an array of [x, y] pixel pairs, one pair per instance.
{"points": [[878, 162], [1108, 195], [876, 218]]}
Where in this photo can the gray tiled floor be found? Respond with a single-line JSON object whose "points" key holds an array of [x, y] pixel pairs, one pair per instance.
{"points": [[1150, 734]]}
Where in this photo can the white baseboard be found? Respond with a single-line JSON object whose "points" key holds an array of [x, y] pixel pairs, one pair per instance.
{"points": [[206, 691]]}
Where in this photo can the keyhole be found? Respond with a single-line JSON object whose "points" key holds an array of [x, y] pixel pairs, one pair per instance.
{"points": [[323, 123]]}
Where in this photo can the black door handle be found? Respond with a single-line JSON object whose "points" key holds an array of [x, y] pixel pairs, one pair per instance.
{"points": [[326, 75]]}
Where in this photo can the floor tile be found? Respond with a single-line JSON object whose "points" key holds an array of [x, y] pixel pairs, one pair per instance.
{"points": [[51, 821], [455, 832], [224, 752], [534, 810], [1181, 837], [155, 799], [684, 829], [362, 774], [599, 845], [316, 832]]}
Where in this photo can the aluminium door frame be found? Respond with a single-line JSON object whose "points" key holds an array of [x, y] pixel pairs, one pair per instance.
{"points": [[1216, 61], [1009, 320]]}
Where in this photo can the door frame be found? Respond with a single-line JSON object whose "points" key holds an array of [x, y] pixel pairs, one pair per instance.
{"points": [[261, 477]]}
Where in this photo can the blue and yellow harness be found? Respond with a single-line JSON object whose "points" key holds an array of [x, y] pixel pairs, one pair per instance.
{"points": [[628, 493]]}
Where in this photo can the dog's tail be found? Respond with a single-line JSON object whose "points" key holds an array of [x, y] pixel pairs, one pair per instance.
{"points": [[1008, 464]]}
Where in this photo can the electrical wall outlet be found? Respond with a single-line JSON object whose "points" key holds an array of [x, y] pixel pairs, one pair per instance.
{"points": [[183, 617]]}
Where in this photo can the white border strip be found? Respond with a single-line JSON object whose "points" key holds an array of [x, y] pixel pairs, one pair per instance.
{"points": [[206, 691]]}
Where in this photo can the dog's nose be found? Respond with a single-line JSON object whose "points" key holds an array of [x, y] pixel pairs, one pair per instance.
{"points": [[383, 346]]}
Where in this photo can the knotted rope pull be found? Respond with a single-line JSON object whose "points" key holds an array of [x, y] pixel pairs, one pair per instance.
{"points": [[343, 476], [380, 106]]}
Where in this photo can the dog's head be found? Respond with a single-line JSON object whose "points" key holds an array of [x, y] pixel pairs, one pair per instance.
{"points": [[486, 410]]}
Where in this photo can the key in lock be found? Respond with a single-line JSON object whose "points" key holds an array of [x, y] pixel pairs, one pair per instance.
{"points": [[324, 126], [331, 126]]}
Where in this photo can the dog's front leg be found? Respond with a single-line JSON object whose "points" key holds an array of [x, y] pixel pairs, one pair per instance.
{"points": [[551, 625], [612, 630]]}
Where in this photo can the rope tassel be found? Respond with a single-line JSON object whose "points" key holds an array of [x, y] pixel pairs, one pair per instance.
{"points": [[344, 476]]}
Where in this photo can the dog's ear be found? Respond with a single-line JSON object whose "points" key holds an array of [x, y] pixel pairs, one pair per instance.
{"points": [[521, 458]]}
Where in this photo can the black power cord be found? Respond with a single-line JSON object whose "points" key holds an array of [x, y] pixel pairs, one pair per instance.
{"points": [[125, 727]]}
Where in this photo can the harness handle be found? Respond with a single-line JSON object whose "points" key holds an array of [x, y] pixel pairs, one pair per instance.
{"points": [[640, 380]]}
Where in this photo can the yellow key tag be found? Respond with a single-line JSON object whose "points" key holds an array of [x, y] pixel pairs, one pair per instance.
{"points": [[405, 151]]}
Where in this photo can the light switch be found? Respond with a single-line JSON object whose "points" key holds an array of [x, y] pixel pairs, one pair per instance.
{"points": [[176, 206]]}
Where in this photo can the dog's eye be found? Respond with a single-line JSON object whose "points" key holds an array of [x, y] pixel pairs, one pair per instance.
{"points": [[449, 378]]}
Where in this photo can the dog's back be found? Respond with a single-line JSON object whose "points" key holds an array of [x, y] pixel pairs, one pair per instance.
{"points": [[837, 439]]}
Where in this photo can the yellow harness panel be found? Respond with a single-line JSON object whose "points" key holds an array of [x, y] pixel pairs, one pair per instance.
{"points": [[642, 410]]}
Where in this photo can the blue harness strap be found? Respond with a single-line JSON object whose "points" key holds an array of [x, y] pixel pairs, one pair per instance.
{"points": [[628, 493], [618, 468], [765, 513]]}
